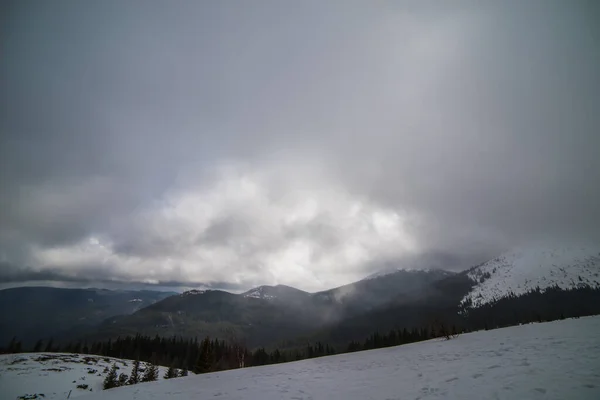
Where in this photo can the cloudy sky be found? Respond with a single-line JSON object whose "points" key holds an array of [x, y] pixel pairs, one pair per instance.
{"points": [[238, 143]]}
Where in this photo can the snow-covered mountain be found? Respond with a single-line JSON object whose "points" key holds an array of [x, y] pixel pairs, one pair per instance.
{"points": [[261, 292], [46, 376], [556, 360], [282, 293], [528, 268]]}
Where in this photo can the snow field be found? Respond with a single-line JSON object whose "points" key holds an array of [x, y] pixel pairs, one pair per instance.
{"points": [[555, 360], [52, 375]]}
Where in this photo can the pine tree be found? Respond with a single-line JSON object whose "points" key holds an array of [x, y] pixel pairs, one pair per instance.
{"points": [[151, 373], [38, 346], [183, 372], [135, 373], [171, 373], [14, 346], [123, 379], [204, 362], [49, 346], [111, 379]]}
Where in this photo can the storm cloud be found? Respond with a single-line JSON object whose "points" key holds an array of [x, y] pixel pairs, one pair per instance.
{"points": [[309, 144]]}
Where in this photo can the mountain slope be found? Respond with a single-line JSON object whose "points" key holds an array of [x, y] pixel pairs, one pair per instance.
{"points": [[268, 314], [561, 357], [32, 313], [215, 313], [280, 293], [528, 268], [379, 289]]}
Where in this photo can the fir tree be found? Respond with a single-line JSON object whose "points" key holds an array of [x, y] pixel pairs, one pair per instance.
{"points": [[14, 346], [135, 373], [151, 373], [38, 346], [49, 346], [171, 373], [111, 379], [204, 362], [183, 372], [123, 379]]}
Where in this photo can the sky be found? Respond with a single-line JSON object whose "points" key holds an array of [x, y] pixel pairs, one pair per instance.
{"points": [[233, 144]]}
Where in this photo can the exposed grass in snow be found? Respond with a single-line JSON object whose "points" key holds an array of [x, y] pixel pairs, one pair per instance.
{"points": [[53, 375], [555, 360]]}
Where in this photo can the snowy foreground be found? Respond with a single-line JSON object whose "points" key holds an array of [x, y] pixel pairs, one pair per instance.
{"points": [[53, 375], [556, 360]]}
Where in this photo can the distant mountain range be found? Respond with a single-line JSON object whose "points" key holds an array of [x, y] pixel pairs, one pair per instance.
{"points": [[31, 313], [283, 315]]}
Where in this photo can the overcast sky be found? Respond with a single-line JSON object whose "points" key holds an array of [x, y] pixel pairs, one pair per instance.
{"points": [[238, 143]]}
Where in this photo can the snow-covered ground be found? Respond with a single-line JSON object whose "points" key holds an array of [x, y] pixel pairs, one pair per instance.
{"points": [[555, 360], [529, 267], [53, 375]]}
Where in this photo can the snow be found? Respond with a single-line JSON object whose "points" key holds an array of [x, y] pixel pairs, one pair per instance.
{"points": [[259, 293], [192, 292], [55, 374], [527, 268], [556, 360]]}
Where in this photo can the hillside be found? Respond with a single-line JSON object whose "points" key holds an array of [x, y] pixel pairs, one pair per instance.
{"points": [[528, 268], [32, 313], [53, 375], [556, 360], [267, 315]]}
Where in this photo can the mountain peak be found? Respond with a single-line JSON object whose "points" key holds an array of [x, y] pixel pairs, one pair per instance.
{"points": [[260, 292], [269, 292], [193, 292]]}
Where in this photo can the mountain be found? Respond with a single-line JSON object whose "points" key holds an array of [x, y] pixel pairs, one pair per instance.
{"points": [[249, 317], [268, 315], [279, 293], [500, 292], [524, 285], [556, 360], [32, 313], [399, 285], [528, 268], [420, 305]]}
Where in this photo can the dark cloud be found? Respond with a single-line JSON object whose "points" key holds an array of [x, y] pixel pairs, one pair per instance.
{"points": [[306, 145]]}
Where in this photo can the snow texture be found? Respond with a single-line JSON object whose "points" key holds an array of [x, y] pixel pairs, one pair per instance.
{"points": [[556, 360], [525, 269], [53, 375], [259, 293], [192, 292]]}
